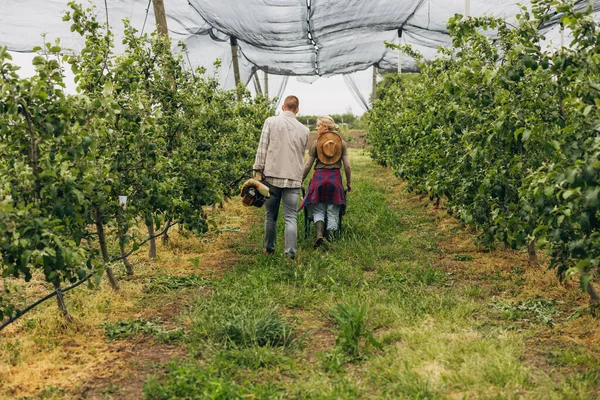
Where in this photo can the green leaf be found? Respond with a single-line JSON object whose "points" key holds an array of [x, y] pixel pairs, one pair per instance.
{"points": [[38, 60], [25, 257], [591, 196], [108, 89], [518, 132], [584, 281]]}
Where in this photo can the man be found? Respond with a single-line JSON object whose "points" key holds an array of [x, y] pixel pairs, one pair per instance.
{"points": [[280, 160]]}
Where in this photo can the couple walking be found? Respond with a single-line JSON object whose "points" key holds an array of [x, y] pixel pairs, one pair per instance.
{"points": [[280, 160]]}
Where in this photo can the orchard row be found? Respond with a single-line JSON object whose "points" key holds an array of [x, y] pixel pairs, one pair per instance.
{"points": [[140, 126], [506, 131]]}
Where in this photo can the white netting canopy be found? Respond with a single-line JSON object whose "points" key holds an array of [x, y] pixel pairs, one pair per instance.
{"points": [[284, 37]]}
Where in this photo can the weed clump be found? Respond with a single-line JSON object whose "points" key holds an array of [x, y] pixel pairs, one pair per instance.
{"points": [[256, 328], [352, 328]]}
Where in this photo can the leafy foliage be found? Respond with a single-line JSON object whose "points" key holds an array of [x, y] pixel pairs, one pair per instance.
{"points": [[505, 131]]}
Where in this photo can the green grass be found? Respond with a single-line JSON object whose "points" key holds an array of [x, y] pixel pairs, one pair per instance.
{"points": [[368, 317], [127, 328]]}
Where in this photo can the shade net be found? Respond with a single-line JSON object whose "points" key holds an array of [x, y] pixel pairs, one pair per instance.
{"points": [[285, 37]]}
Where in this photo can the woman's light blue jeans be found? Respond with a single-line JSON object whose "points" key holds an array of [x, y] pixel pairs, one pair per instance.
{"points": [[333, 214]]}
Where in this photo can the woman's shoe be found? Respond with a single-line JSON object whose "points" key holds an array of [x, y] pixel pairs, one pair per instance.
{"points": [[320, 227], [318, 243]]}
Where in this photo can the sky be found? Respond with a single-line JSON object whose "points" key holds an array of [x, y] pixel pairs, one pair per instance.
{"points": [[325, 96]]}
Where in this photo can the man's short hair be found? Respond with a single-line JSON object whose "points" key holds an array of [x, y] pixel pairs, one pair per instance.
{"points": [[291, 103]]}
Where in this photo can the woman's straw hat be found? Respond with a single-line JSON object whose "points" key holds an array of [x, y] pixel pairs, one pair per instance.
{"points": [[329, 148]]}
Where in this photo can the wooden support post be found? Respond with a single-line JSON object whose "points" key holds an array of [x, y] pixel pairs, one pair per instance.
{"points": [[399, 51], [257, 84], [374, 85], [467, 8], [236, 66], [266, 85], [161, 17]]}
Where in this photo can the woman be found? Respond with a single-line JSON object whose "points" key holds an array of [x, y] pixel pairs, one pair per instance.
{"points": [[325, 192]]}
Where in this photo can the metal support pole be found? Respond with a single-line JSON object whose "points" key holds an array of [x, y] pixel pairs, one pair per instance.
{"points": [[266, 85], [161, 17], [236, 66], [467, 8]]}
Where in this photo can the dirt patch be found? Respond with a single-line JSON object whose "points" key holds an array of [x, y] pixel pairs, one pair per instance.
{"points": [[41, 355], [139, 361], [58, 368], [318, 329]]}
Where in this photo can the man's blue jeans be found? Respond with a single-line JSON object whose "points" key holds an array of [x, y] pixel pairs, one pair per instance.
{"points": [[290, 197]]}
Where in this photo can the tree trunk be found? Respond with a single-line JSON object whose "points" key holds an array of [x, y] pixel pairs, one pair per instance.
{"points": [[165, 236], [104, 249], [531, 251], [128, 265], [151, 242], [61, 302], [594, 300]]}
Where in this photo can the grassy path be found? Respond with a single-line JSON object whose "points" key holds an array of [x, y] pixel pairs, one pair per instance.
{"points": [[401, 307], [404, 305]]}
